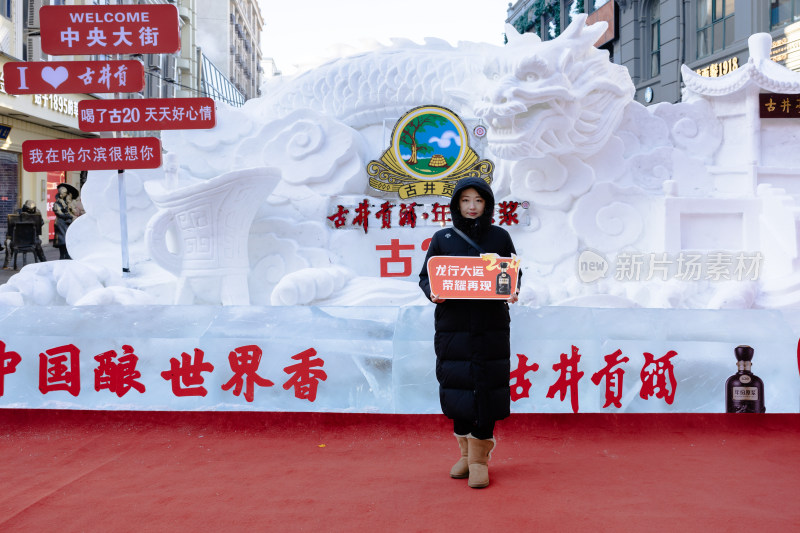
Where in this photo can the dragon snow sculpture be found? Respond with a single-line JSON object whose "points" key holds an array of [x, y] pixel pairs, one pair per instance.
{"points": [[552, 98], [563, 131]]}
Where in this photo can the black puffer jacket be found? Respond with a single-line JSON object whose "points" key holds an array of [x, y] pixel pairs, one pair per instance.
{"points": [[472, 336]]}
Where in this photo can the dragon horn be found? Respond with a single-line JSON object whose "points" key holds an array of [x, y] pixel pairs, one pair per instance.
{"points": [[578, 29], [515, 37]]}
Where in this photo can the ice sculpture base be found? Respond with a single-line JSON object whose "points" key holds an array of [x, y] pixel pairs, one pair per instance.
{"points": [[381, 360]]}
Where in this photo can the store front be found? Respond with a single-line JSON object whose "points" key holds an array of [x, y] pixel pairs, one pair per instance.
{"points": [[9, 186], [33, 117]]}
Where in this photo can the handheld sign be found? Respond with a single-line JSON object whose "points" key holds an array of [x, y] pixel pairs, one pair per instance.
{"points": [[91, 154], [80, 77], [97, 30], [148, 114], [488, 277]]}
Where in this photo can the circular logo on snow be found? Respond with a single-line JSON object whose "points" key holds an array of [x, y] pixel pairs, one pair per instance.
{"points": [[431, 142], [591, 266], [745, 379], [479, 131], [429, 153]]}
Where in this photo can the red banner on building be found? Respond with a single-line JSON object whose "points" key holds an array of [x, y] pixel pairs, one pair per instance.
{"points": [[149, 114], [80, 77], [93, 30], [488, 277], [91, 154]]}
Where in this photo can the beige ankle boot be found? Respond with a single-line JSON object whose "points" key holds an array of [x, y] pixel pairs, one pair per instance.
{"points": [[478, 453], [460, 470]]}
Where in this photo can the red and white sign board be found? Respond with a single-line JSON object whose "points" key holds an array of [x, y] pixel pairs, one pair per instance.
{"points": [[80, 77], [92, 30], [148, 114], [91, 154], [488, 277]]}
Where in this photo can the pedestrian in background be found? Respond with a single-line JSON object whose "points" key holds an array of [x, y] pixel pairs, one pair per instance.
{"points": [[62, 209]]}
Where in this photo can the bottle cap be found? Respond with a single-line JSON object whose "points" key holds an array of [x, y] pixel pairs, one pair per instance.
{"points": [[744, 353], [503, 265]]}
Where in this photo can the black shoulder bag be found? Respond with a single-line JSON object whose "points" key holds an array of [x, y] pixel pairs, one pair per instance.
{"points": [[469, 241]]}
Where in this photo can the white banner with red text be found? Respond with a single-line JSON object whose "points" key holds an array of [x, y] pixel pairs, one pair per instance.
{"points": [[381, 359]]}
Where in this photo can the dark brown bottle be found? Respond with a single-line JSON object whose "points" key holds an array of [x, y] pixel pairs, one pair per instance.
{"points": [[503, 280], [744, 391]]}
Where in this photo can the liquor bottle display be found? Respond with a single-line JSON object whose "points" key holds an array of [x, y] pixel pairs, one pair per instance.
{"points": [[744, 391], [503, 280]]}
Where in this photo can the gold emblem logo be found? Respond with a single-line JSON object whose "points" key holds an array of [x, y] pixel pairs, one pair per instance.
{"points": [[429, 153]]}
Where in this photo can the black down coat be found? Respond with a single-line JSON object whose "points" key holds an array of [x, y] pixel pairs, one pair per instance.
{"points": [[472, 336]]}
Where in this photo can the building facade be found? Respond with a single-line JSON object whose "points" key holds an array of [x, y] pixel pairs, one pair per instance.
{"points": [[30, 117], [653, 38], [234, 51], [229, 72]]}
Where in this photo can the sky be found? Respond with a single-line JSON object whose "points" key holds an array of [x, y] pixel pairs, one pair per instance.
{"points": [[301, 33]]}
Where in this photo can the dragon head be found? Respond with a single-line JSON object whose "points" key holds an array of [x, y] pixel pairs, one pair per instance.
{"points": [[553, 97]]}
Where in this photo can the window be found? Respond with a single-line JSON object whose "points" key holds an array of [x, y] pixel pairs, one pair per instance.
{"points": [[655, 38], [548, 27], [783, 12], [9, 184], [570, 7], [5, 8], [714, 26]]}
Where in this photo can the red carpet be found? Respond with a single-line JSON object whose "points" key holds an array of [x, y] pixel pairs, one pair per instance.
{"points": [[140, 471]]}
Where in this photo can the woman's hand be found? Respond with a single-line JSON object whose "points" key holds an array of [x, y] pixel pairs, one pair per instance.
{"points": [[514, 298], [435, 299]]}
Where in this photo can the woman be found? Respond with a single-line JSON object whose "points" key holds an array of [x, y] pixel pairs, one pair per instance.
{"points": [[62, 211], [472, 336]]}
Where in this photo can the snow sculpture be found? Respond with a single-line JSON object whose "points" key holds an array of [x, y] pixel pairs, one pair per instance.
{"points": [[639, 189], [553, 98], [210, 218]]}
